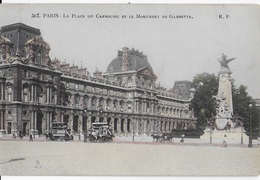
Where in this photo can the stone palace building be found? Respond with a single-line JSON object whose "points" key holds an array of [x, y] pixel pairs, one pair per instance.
{"points": [[36, 91]]}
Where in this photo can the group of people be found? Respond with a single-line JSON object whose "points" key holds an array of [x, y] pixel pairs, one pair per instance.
{"points": [[22, 134]]}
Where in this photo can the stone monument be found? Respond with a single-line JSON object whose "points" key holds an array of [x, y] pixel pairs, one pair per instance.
{"points": [[224, 109], [222, 125]]}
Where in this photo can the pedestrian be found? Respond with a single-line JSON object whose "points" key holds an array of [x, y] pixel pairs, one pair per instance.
{"points": [[182, 138], [14, 135], [224, 144], [47, 135], [20, 134], [30, 137]]}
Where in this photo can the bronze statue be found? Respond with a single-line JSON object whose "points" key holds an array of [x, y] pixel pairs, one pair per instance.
{"points": [[224, 61]]}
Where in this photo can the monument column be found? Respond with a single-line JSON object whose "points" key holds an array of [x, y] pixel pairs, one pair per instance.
{"points": [[224, 109]]}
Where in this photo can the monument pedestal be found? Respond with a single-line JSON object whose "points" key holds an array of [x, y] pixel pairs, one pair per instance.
{"points": [[221, 123], [234, 136]]}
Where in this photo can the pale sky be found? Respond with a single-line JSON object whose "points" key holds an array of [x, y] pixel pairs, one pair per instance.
{"points": [[177, 49]]}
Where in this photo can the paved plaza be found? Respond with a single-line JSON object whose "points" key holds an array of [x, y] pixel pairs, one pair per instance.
{"points": [[124, 157]]}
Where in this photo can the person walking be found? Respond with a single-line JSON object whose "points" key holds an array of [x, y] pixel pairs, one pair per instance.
{"points": [[14, 136], [30, 137], [224, 144]]}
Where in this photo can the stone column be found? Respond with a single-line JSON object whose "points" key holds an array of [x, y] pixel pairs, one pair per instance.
{"points": [[31, 120], [175, 125], [62, 117], [152, 125], [1, 121], [44, 122], [137, 126], [80, 122], [89, 105], [119, 126], [104, 118], [135, 106], [47, 117], [88, 119], [112, 123], [2, 91], [35, 120], [72, 101], [144, 126], [71, 118]]}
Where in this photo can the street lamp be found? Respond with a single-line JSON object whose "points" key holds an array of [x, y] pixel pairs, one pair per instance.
{"points": [[242, 130], [80, 123], [258, 105], [86, 123], [250, 145], [210, 135], [133, 130]]}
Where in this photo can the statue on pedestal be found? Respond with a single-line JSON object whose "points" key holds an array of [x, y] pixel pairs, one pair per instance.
{"points": [[224, 61], [224, 107]]}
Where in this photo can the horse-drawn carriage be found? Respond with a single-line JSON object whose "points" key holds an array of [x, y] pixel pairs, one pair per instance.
{"points": [[165, 137], [59, 132], [100, 132]]}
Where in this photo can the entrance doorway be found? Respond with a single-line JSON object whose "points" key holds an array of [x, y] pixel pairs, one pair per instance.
{"points": [[25, 128], [9, 128], [39, 122], [76, 123]]}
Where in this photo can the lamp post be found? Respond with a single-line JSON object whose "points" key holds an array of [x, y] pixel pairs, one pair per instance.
{"points": [[210, 141], [242, 130], [258, 105], [86, 123], [250, 145], [80, 123], [133, 130]]}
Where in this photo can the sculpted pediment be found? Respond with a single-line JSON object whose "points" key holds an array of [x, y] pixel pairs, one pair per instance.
{"points": [[146, 72], [37, 50]]}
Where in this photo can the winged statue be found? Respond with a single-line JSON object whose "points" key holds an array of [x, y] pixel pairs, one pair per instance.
{"points": [[224, 61]]}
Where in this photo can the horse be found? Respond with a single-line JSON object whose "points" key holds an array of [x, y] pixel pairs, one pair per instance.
{"points": [[156, 137]]}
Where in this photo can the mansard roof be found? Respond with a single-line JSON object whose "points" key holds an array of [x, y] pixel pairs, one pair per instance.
{"points": [[20, 26], [137, 60]]}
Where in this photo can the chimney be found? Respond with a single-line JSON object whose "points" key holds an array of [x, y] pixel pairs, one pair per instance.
{"points": [[125, 62]]}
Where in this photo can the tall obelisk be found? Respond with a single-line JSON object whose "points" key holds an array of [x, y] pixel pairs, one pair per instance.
{"points": [[224, 109]]}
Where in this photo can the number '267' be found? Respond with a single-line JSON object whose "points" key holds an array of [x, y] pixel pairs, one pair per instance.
{"points": [[37, 15]]}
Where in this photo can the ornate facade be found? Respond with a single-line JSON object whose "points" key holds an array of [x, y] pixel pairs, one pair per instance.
{"points": [[36, 91]]}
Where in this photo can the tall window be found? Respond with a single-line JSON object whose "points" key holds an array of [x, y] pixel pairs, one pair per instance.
{"points": [[39, 58], [9, 94], [25, 96]]}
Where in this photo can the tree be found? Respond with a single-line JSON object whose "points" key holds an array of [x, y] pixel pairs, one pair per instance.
{"points": [[245, 107], [203, 103]]}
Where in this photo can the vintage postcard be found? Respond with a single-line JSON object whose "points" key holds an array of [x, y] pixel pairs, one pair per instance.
{"points": [[129, 90]]}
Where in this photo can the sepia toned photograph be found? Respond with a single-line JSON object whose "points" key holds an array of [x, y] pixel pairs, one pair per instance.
{"points": [[129, 90]]}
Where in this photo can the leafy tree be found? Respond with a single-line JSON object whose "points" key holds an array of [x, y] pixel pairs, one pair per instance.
{"points": [[245, 108], [203, 103]]}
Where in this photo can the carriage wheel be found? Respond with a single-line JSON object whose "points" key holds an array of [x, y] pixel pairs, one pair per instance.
{"points": [[162, 139], [92, 138], [102, 139]]}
